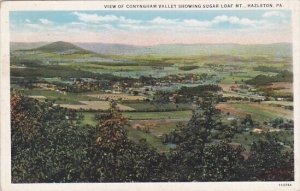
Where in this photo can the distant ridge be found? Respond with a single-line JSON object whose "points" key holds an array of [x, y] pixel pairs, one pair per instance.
{"points": [[63, 47], [111, 49], [168, 50]]}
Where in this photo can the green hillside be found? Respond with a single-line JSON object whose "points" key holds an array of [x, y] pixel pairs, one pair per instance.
{"points": [[63, 47]]}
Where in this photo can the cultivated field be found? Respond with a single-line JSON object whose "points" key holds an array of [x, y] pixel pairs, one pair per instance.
{"points": [[117, 96], [95, 105], [259, 112]]}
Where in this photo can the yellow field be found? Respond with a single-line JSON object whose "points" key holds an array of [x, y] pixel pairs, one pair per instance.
{"points": [[111, 96], [95, 105]]}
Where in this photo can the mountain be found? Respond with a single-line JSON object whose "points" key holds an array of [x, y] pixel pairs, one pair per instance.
{"points": [[112, 49], [163, 50], [62, 47]]}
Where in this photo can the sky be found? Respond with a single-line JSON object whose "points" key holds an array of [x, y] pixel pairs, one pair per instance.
{"points": [[146, 28]]}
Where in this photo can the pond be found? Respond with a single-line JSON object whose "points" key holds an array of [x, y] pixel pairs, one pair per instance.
{"points": [[171, 145]]}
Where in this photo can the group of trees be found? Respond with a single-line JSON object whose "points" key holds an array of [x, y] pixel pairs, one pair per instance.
{"points": [[282, 123], [282, 76], [187, 94], [48, 147]]}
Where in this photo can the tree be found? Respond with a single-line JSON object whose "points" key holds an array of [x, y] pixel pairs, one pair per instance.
{"points": [[268, 161], [46, 147], [248, 120], [116, 159], [222, 162], [193, 157], [162, 97], [135, 93]]}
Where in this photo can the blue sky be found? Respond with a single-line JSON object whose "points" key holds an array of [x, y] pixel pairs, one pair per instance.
{"points": [[152, 27]]}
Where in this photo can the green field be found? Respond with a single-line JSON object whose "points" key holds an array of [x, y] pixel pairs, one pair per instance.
{"points": [[153, 137], [142, 106], [259, 112], [89, 118], [158, 115], [68, 98]]}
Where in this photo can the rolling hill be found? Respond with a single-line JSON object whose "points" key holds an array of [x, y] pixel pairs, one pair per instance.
{"points": [[63, 47]]}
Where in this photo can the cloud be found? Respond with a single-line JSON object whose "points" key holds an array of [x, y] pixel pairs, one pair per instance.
{"points": [[97, 19], [237, 21], [273, 14], [94, 18], [45, 21], [196, 23], [111, 28], [162, 21]]}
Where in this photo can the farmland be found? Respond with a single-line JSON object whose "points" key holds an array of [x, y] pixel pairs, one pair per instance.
{"points": [[259, 112], [104, 96], [158, 91], [94, 105]]}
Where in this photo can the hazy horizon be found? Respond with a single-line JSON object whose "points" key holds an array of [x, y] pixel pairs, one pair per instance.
{"points": [[49, 42], [150, 28]]}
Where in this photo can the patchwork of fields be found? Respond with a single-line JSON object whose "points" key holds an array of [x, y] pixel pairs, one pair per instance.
{"points": [[148, 89]]}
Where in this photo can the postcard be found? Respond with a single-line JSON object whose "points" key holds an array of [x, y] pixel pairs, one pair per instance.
{"points": [[150, 95]]}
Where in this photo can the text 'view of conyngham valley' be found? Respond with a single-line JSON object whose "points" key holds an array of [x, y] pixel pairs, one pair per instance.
{"points": [[151, 96]]}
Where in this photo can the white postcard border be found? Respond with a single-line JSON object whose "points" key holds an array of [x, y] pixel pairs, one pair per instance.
{"points": [[98, 5]]}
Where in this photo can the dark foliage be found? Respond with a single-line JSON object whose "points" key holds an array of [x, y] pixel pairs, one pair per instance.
{"points": [[49, 146], [188, 68], [283, 76]]}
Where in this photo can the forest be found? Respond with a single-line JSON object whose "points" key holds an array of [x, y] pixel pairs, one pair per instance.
{"points": [[50, 145]]}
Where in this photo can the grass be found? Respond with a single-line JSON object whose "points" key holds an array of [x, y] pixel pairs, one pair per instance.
{"points": [[165, 128], [89, 118], [95, 105], [120, 96], [241, 75], [258, 112], [154, 141], [69, 98], [158, 115], [114, 68], [263, 112], [142, 106]]}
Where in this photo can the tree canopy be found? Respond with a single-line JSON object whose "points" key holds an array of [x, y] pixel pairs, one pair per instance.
{"points": [[50, 146]]}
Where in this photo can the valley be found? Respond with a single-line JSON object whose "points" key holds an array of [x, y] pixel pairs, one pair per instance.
{"points": [[157, 88]]}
